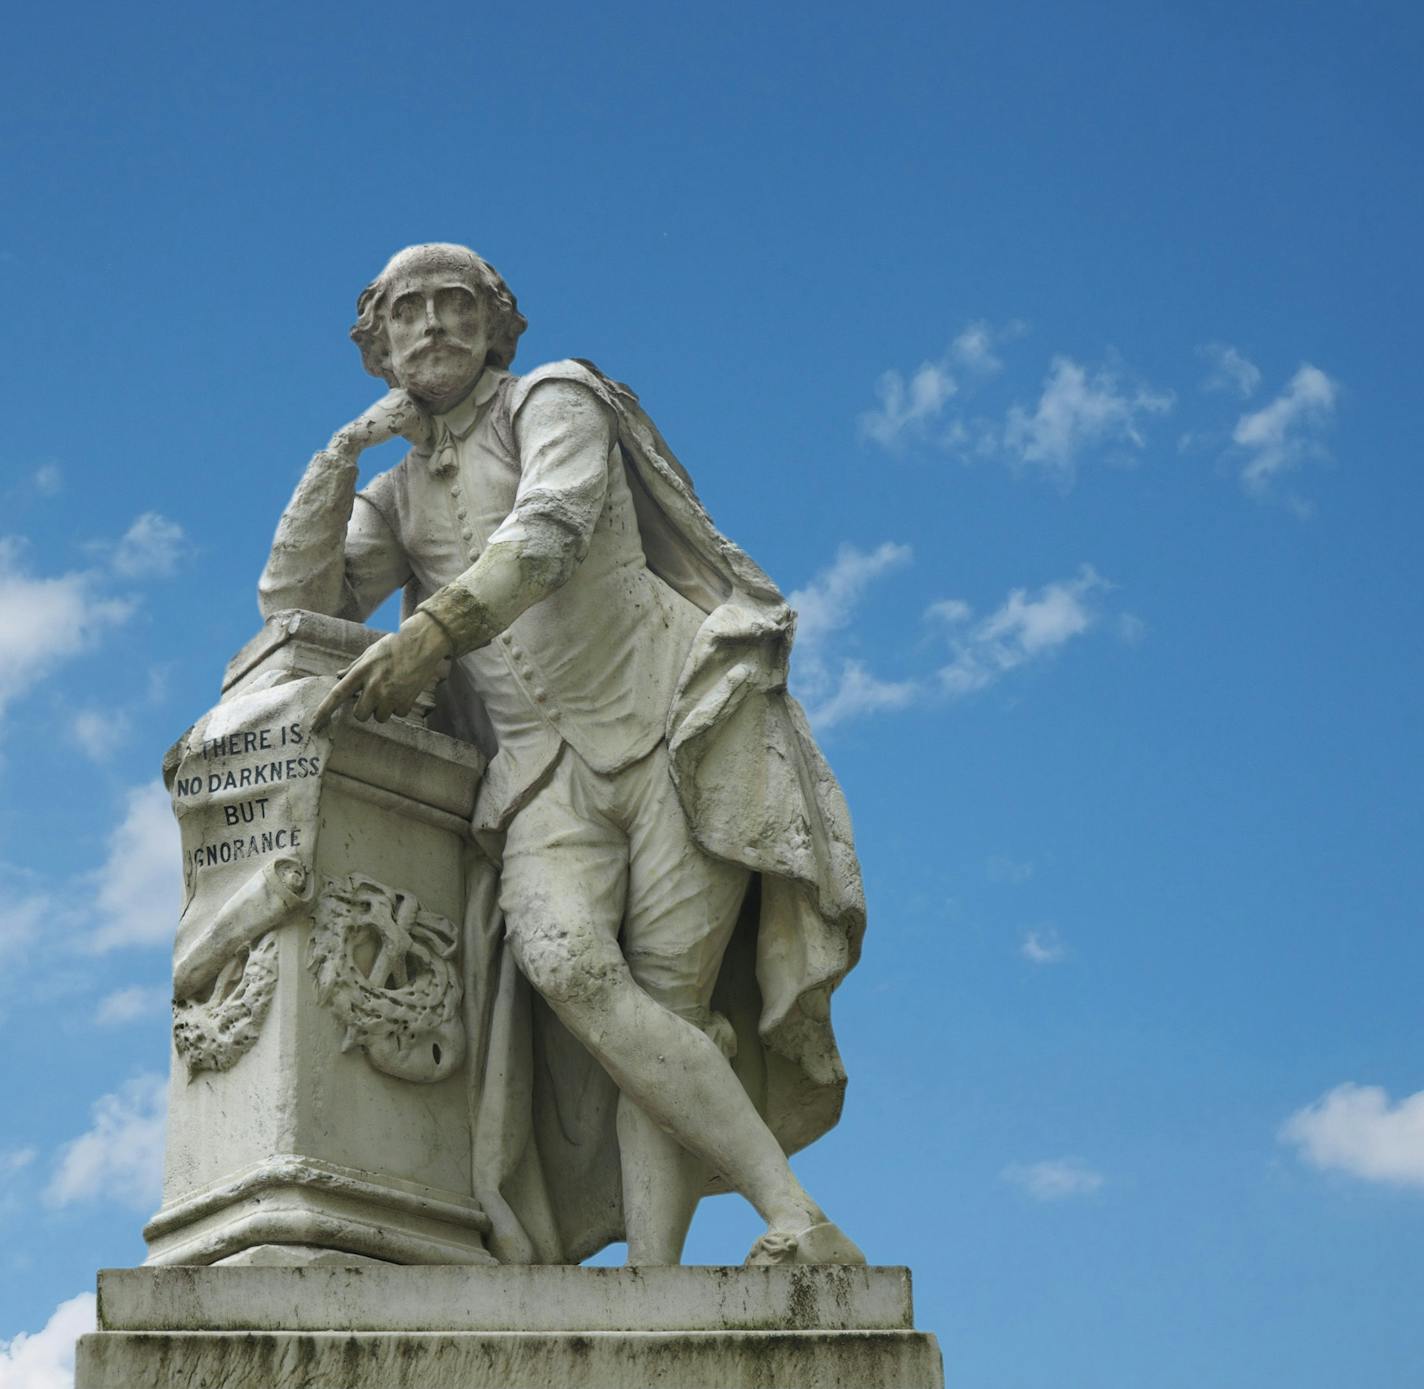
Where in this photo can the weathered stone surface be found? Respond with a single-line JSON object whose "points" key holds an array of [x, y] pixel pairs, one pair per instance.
{"points": [[507, 1328], [336, 1114], [510, 1360], [514, 1297], [671, 881]]}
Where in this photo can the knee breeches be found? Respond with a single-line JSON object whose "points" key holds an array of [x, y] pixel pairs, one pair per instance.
{"points": [[601, 876]]}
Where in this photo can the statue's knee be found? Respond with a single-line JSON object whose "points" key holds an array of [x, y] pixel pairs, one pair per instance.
{"points": [[566, 965], [666, 980]]}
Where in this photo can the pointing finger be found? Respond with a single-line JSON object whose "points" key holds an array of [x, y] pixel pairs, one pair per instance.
{"points": [[339, 693]]}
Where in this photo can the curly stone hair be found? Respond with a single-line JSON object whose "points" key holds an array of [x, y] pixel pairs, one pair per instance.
{"points": [[369, 330]]}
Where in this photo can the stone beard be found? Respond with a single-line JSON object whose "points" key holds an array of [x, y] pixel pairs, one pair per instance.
{"points": [[653, 796]]}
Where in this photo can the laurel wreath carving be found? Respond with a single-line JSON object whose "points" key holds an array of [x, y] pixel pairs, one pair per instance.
{"points": [[389, 971], [212, 1032]]}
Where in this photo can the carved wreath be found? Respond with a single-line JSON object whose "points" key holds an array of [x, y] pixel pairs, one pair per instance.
{"points": [[212, 1032], [389, 972]]}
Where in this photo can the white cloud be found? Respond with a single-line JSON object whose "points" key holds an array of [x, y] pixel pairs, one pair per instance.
{"points": [[1230, 370], [950, 611], [1079, 409], [46, 621], [1003, 869], [101, 732], [1131, 629], [829, 601], [973, 349], [120, 1157], [908, 407], [1053, 1179], [837, 689], [48, 479], [22, 921], [45, 1359], [1279, 436], [151, 547], [857, 692], [129, 1005], [1025, 627], [13, 1160], [139, 888], [1357, 1129], [1043, 946], [14, 1197]]}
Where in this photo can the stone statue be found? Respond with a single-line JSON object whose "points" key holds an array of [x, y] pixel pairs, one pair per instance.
{"points": [[667, 860]]}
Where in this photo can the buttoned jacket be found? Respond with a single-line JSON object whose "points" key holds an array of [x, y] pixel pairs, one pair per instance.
{"points": [[595, 663]]}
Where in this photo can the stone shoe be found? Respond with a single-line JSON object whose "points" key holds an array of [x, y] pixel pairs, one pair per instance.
{"points": [[823, 1243]]}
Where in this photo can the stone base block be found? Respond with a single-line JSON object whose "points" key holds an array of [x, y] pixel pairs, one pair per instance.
{"points": [[389, 1327]]}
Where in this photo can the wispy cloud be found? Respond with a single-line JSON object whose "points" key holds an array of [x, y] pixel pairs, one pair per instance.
{"points": [[1042, 945], [1002, 868], [1231, 370], [48, 479], [836, 688], [25, 913], [139, 887], [1080, 409], [909, 407], [1358, 1130], [1053, 1179], [1027, 626], [60, 928], [1280, 436], [150, 548], [101, 732], [45, 1359], [14, 1160], [857, 692], [120, 1156], [132, 1004], [45, 621]]}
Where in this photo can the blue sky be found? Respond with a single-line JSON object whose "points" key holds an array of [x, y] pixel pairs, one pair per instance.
{"points": [[1063, 361]]}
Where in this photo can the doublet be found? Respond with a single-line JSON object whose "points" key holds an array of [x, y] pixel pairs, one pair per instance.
{"points": [[592, 665]]}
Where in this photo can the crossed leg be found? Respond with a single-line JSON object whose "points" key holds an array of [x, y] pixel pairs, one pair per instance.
{"points": [[682, 1111]]}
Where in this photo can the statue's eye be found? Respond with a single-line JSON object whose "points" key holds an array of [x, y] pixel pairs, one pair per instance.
{"points": [[406, 309], [456, 301]]}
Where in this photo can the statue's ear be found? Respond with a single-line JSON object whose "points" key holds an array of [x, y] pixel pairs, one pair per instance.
{"points": [[369, 333]]}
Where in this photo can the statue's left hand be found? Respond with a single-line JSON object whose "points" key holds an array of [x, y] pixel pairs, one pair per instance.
{"points": [[388, 676]]}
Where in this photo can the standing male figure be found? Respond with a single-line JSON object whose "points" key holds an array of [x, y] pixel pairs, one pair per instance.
{"points": [[652, 785]]}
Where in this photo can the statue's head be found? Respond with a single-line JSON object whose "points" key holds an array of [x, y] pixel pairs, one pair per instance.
{"points": [[433, 319]]}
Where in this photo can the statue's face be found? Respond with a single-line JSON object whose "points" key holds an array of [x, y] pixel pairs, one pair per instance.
{"points": [[438, 332]]}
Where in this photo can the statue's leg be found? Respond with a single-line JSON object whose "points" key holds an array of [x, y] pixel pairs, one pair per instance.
{"points": [[673, 1071], [682, 909], [662, 1183]]}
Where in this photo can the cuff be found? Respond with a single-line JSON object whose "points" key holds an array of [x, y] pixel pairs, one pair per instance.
{"points": [[461, 616]]}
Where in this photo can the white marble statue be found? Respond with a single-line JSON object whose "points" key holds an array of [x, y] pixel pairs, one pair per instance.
{"points": [[670, 863]]}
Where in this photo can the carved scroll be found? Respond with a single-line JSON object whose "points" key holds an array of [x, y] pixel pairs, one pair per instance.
{"points": [[246, 787], [388, 970], [258, 905]]}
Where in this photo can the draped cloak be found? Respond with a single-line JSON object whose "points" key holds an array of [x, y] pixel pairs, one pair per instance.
{"points": [[756, 791]]}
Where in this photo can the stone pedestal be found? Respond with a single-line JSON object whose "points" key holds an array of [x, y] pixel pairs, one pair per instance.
{"points": [[379, 1327], [318, 1107]]}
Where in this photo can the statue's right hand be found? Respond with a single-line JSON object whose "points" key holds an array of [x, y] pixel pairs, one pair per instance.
{"points": [[394, 414]]}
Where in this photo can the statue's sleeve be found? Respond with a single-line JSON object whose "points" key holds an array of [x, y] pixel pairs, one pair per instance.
{"points": [[335, 551], [565, 435]]}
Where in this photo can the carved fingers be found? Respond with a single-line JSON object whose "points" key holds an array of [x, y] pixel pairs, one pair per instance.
{"points": [[396, 413], [387, 677]]}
